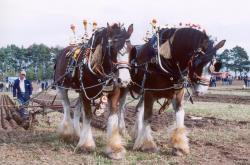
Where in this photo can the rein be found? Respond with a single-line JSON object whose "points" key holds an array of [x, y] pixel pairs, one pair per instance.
{"points": [[121, 65], [201, 80]]}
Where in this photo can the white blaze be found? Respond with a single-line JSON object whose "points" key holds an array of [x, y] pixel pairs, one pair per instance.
{"points": [[124, 74], [200, 88]]}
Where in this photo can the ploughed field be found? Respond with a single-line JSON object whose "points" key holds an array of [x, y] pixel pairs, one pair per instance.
{"points": [[218, 124]]}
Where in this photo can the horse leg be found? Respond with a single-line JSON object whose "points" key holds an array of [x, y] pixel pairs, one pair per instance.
{"points": [[76, 120], [86, 141], [65, 128], [178, 133], [121, 120], [144, 140], [139, 119], [114, 148]]}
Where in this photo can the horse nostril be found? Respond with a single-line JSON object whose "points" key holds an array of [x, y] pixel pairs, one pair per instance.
{"points": [[125, 82], [119, 80]]}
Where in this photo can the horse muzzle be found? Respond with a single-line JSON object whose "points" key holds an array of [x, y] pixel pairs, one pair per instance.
{"points": [[123, 83]]}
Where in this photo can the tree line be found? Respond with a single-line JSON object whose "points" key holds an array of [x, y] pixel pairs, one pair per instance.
{"points": [[37, 60], [235, 60]]}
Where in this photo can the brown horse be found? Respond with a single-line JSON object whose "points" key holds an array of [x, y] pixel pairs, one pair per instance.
{"points": [[93, 72], [160, 69]]}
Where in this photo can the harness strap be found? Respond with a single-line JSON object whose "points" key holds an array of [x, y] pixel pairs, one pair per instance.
{"points": [[164, 106], [203, 81], [142, 85]]}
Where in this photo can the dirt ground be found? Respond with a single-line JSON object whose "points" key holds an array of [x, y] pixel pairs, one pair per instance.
{"points": [[233, 99], [212, 140]]}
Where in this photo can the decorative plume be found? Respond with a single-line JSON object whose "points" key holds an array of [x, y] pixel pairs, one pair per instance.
{"points": [[153, 23], [73, 28], [94, 25], [85, 23]]}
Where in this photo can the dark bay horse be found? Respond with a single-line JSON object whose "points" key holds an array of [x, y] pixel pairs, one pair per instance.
{"points": [[185, 55], [105, 65]]}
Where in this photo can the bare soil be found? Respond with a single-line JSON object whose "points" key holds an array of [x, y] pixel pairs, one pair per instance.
{"points": [[212, 140], [233, 99]]}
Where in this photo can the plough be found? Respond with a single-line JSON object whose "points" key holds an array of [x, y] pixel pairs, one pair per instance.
{"points": [[41, 104], [10, 118]]}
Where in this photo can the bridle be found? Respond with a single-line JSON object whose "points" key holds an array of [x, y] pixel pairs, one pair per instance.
{"points": [[194, 76], [121, 64]]}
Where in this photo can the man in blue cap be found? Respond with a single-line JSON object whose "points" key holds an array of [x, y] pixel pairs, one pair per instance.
{"points": [[22, 89]]}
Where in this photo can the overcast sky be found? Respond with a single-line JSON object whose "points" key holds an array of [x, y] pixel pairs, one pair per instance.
{"points": [[24, 22]]}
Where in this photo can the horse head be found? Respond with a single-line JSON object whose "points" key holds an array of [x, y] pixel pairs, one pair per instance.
{"points": [[119, 40], [204, 66], [110, 54], [192, 48]]}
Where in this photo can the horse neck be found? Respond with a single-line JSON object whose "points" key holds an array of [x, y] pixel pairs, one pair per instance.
{"points": [[145, 54], [183, 61], [107, 61], [129, 46], [185, 54]]}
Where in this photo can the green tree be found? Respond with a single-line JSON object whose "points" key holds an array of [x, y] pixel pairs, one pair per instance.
{"points": [[226, 58], [40, 56], [235, 59], [240, 58]]}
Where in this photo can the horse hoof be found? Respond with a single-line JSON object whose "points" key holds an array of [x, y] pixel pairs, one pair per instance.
{"points": [[179, 152], [148, 146], [117, 155], [65, 132], [84, 149], [66, 137], [76, 136]]}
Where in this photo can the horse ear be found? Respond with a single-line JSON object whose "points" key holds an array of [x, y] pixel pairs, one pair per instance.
{"points": [[130, 30], [220, 44], [109, 28]]}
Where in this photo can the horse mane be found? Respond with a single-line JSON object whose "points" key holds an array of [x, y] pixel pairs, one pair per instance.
{"points": [[165, 34], [99, 59], [100, 47], [188, 39], [98, 53], [182, 43]]}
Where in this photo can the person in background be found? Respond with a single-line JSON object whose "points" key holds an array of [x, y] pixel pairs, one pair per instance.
{"points": [[22, 91], [212, 81], [1, 87], [42, 85], [230, 79], [46, 85], [245, 80]]}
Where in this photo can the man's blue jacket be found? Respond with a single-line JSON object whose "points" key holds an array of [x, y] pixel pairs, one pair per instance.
{"points": [[17, 90]]}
